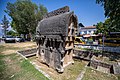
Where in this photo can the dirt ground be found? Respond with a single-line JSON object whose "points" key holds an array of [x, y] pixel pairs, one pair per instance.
{"points": [[9, 48], [24, 44]]}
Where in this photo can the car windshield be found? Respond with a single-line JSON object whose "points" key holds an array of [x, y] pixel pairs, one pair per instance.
{"points": [[82, 39], [9, 37], [18, 37]]}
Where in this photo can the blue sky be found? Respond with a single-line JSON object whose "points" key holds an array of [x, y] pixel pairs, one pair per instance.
{"points": [[87, 11]]}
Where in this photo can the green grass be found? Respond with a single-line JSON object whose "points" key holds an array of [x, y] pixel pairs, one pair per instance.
{"points": [[71, 71], [28, 67], [14, 67], [96, 75], [2, 48], [118, 77], [2, 66]]}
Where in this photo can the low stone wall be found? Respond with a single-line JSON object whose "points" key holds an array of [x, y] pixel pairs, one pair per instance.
{"points": [[98, 65], [116, 68], [101, 66], [28, 52], [106, 48], [83, 54]]}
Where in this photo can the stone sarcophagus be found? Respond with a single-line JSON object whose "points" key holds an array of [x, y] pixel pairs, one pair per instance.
{"points": [[55, 38]]}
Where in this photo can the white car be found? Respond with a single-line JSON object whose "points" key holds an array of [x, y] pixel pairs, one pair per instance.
{"points": [[19, 39], [9, 39]]}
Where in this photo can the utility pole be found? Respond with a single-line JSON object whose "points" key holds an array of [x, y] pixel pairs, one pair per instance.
{"points": [[103, 38]]}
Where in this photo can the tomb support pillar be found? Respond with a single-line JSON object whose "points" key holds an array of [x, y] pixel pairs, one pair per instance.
{"points": [[38, 49]]}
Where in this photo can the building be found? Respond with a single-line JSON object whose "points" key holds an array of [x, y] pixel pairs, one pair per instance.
{"points": [[80, 25], [87, 31], [55, 38]]}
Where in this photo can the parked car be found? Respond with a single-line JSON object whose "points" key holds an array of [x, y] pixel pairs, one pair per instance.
{"points": [[3, 38], [19, 39], [8, 39], [79, 40]]}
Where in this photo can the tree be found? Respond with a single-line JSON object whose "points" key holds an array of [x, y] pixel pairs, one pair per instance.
{"points": [[4, 24], [25, 15], [107, 26], [12, 33], [99, 28], [103, 27], [112, 11]]}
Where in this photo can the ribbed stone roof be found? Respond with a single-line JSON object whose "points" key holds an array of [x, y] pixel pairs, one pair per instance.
{"points": [[55, 25]]}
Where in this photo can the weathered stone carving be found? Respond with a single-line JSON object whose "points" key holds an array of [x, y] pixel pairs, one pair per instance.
{"points": [[55, 38], [57, 12]]}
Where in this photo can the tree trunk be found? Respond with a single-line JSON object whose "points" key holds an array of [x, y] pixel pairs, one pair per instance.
{"points": [[103, 45], [30, 36]]}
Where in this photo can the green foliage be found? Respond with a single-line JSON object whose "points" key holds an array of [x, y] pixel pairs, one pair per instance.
{"points": [[99, 27], [112, 11], [12, 33], [104, 28], [25, 15]]}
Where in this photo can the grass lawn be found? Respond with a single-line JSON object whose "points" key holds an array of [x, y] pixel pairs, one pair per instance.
{"points": [[14, 67], [71, 72], [96, 75]]}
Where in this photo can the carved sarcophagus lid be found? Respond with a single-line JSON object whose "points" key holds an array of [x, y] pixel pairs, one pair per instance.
{"points": [[57, 12]]}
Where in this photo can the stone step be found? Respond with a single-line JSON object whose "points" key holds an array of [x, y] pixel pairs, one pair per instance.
{"points": [[28, 52]]}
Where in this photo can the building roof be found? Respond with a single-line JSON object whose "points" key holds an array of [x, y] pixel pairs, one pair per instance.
{"points": [[80, 25], [86, 35], [89, 27]]}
